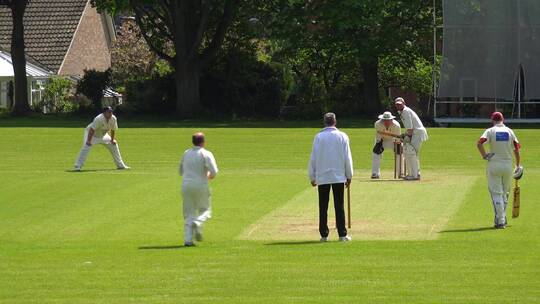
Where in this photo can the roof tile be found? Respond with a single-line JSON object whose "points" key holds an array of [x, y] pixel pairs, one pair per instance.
{"points": [[49, 28]]}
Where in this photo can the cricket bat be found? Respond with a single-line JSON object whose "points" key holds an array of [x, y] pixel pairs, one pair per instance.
{"points": [[349, 206], [515, 209], [389, 134]]}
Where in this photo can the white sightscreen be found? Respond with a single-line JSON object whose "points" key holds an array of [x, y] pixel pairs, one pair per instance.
{"points": [[484, 43]]}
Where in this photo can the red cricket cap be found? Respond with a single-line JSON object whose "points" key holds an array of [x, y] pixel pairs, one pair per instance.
{"points": [[497, 116]]}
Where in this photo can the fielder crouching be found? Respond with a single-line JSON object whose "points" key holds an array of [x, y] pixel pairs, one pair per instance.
{"points": [[386, 124], [503, 143], [101, 131], [197, 167]]}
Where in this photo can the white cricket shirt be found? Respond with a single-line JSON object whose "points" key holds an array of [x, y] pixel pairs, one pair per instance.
{"points": [[195, 165], [331, 160], [394, 128], [502, 141], [411, 121], [101, 125]]}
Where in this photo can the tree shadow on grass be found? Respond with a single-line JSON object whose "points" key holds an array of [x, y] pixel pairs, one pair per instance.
{"points": [[479, 229], [293, 243], [169, 247]]}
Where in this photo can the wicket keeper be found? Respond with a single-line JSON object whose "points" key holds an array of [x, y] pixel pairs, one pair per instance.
{"points": [[101, 131], [387, 124], [413, 138], [197, 167], [331, 167], [503, 143]]}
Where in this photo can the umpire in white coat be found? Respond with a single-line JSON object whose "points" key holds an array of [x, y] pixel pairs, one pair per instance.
{"points": [[415, 135], [197, 167], [331, 167]]}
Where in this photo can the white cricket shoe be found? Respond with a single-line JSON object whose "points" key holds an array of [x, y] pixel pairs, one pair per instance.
{"points": [[197, 232], [324, 239], [411, 178], [189, 244], [345, 238], [124, 168], [78, 169]]}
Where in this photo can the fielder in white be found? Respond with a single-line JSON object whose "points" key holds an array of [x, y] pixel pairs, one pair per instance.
{"points": [[101, 131], [197, 167], [503, 143], [413, 138], [388, 124]]}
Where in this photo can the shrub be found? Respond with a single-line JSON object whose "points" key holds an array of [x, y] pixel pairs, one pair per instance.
{"points": [[56, 96], [240, 85], [93, 84], [152, 96]]}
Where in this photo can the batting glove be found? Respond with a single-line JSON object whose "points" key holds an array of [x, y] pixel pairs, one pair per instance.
{"points": [[518, 173], [489, 156]]}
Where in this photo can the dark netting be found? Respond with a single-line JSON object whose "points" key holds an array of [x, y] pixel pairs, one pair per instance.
{"points": [[485, 42]]}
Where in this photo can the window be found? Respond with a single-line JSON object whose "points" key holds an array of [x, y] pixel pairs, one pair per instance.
{"points": [[38, 86], [3, 94]]}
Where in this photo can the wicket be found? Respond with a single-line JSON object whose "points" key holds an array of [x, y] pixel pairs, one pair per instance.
{"points": [[399, 161]]}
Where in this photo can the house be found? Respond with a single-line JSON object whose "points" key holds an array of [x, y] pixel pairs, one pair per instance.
{"points": [[36, 75], [64, 37]]}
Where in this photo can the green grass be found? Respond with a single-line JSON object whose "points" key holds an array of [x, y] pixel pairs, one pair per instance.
{"points": [[107, 236]]}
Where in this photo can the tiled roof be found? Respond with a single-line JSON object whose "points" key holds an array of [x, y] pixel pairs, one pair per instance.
{"points": [[49, 27]]}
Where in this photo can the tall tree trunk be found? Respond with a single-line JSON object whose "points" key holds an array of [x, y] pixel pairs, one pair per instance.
{"points": [[187, 80], [19, 61], [370, 73]]}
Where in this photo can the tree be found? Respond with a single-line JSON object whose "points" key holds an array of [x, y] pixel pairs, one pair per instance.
{"points": [[366, 30], [374, 29], [415, 77], [18, 8], [131, 58], [320, 62], [195, 29]]}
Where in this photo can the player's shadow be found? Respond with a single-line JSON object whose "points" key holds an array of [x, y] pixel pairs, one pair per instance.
{"points": [[479, 229], [294, 243], [169, 247], [380, 181], [91, 170]]}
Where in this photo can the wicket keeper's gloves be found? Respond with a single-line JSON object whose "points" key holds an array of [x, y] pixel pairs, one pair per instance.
{"points": [[378, 148], [518, 173]]}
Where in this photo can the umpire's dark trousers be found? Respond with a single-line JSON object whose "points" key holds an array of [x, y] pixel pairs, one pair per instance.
{"points": [[324, 197]]}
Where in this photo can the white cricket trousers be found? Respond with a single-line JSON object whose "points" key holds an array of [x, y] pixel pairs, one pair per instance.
{"points": [[106, 141], [196, 208], [499, 175], [388, 145], [412, 152]]}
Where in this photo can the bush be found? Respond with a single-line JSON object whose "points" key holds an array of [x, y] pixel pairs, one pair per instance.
{"points": [[240, 85], [93, 84], [152, 96], [56, 96]]}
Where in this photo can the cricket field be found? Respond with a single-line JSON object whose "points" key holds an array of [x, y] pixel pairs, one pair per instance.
{"points": [[108, 236]]}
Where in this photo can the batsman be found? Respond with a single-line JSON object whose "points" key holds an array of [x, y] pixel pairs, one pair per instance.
{"points": [[503, 143], [413, 138]]}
